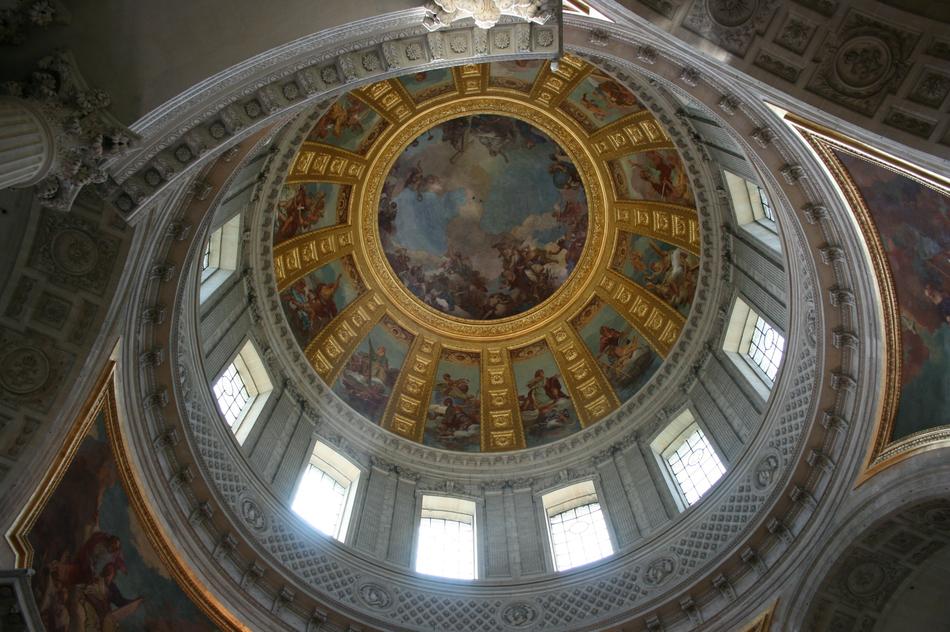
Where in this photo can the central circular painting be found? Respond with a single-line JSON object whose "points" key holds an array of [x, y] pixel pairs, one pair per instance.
{"points": [[483, 217]]}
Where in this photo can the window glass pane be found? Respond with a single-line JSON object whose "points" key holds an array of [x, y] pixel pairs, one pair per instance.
{"points": [[321, 500], [766, 348], [206, 256], [446, 548], [695, 465], [766, 207], [579, 536], [232, 394]]}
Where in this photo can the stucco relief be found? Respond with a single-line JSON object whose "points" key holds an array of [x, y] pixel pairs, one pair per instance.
{"points": [[441, 13], [73, 251], [31, 368], [862, 62], [732, 24]]}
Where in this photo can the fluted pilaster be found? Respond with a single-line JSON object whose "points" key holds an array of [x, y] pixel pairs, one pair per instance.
{"points": [[26, 144]]}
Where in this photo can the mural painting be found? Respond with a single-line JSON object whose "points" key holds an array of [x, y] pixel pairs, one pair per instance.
{"points": [[914, 226], [454, 417], [547, 411], [483, 217], [656, 175], [666, 270], [423, 86], [316, 299], [350, 124], [514, 75], [96, 571], [624, 356], [369, 376], [599, 100], [306, 207]]}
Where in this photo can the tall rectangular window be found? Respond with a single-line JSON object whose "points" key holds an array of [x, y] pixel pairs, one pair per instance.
{"points": [[206, 256], [241, 390], [693, 463], [231, 393], [766, 206], [754, 345], [753, 210], [324, 496], [446, 541], [576, 525], [766, 347], [219, 257]]}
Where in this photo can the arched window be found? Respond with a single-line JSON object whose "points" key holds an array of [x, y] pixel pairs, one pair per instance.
{"points": [[576, 526], [446, 539], [241, 390], [325, 492]]}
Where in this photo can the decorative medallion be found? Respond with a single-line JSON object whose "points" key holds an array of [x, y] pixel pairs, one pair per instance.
{"points": [[659, 571], [865, 579], [519, 615], [863, 61], [766, 469], [374, 596], [731, 12], [487, 258], [23, 370], [252, 514]]}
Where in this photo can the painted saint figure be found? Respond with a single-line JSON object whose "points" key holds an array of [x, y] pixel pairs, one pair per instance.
{"points": [[543, 392], [315, 307], [299, 212]]}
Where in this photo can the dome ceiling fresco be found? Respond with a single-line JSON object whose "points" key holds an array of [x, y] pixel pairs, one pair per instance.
{"points": [[483, 217], [490, 257]]}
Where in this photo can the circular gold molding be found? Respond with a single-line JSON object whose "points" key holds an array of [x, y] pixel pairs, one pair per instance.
{"points": [[594, 258]]}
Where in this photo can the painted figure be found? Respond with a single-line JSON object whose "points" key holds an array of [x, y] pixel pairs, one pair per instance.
{"points": [[368, 379], [453, 417], [563, 172], [299, 212], [315, 307], [664, 174], [344, 115], [621, 355], [458, 241]]}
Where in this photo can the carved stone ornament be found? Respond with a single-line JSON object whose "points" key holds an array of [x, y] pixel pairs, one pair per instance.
{"points": [[85, 137], [766, 470], [519, 615], [24, 370], [486, 13], [375, 596], [252, 514], [16, 21], [659, 570]]}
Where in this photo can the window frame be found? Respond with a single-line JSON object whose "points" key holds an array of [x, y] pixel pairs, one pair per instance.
{"points": [[443, 506], [668, 440], [749, 203], [222, 248], [555, 502], [249, 365], [737, 340], [342, 470]]}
